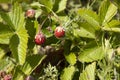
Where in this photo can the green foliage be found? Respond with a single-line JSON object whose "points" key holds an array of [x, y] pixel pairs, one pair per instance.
{"points": [[62, 5], [69, 70], [7, 19], [5, 34], [71, 58], [107, 11], [7, 64], [89, 72], [92, 53], [18, 47], [31, 63], [17, 17], [2, 53], [48, 4], [85, 31], [112, 26], [88, 51], [116, 2], [91, 17], [106, 71]]}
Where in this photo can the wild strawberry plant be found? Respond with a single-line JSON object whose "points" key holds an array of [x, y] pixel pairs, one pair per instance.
{"points": [[59, 40]]}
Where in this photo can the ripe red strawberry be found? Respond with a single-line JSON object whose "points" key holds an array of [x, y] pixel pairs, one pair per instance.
{"points": [[59, 32], [40, 39], [7, 77], [30, 13]]}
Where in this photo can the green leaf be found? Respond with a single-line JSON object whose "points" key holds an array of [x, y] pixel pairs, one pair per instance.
{"points": [[22, 47], [31, 63], [92, 53], [89, 72], [14, 42], [3, 50], [31, 30], [17, 16], [4, 38], [68, 73], [112, 10], [14, 19], [107, 11], [35, 5], [86, 30], [111, 29], [5, 34], [71, 58], [103, 10], [62, 5], [6, 64], [18, 45], [90, 16], [113, 26], [18, 74], [110, 53], [113, 23], [7, 19], [116, 2], [48, 4], [2, 53]]}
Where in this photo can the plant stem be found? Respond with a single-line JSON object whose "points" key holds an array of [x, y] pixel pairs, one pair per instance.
{"points": [[42, 24]]}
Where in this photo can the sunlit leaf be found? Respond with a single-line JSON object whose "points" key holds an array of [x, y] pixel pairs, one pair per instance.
{"points": [[86, 30], [113, 26], [89, 72], [68, 73], [92, 53], [107, 11], [48, 4], [7, 20], [116, 2], [71, 58], [22, 47], [2, 53], [112, 10], [62, 5], [112, 29], [31, 63], [17, 16], [18, 45], [90, 16], [5, 33], [103, 10]]}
